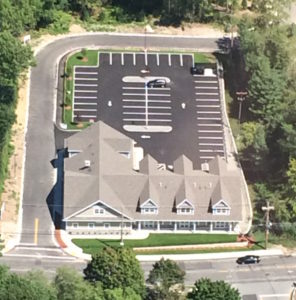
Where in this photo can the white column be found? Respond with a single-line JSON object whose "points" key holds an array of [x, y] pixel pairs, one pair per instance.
{"points": [[194, 226], [211, 226], [230, 227], [158, 226], [175, 226], [139, 225]]}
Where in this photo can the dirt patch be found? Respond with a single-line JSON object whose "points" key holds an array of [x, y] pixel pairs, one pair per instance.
{"points": [[84, 59]]}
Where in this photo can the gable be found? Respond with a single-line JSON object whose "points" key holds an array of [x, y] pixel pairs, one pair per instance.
{"points": [[149, 203], [221, 204], [185, 204]]}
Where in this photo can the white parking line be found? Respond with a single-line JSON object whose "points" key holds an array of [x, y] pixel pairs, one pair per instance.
{"points": [[143, 88], [86, 91], [88, 84], [144, 113], [84, 109], [209, 118], [210, 100], [207, 87], [207, 106], [80, 103], [210, 144], [150, 95], [122, 58], [203, 93], [213, 125], [210, 150], [157, 59], [208, 112], [210, 131], [150, 120], [134, 58], [88, 73], [110, 58], [181, 60], [85, 97], [204, 81], [210, 138], [200, 76], [141, 100], [95, 79], [207, 157], [85, 116], [150, 107], [169, 58]]}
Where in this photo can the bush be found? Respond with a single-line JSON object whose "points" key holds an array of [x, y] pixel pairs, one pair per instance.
{"points": [[61, 22]]}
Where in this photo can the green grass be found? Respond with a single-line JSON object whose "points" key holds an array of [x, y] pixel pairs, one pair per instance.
{"points": [[204, 58], [284, 239], [92, 246]]}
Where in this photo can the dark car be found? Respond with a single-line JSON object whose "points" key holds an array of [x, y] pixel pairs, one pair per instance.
{"points": [[248, 259], [156, 83], [197, 70]]}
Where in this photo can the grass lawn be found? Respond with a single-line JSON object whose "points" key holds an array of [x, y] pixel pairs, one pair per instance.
{"points": [[91, 246], [285, 240], [204, 58]]}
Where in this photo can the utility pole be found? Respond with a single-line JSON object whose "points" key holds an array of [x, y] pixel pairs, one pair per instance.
{"points": [[241, 96], [267, 209]]}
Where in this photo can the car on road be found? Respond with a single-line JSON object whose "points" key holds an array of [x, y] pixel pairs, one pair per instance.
{"points": [[156, 83], [248, 259]]}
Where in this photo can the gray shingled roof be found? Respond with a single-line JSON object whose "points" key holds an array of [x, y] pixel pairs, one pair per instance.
{"points": [[111, 179]]}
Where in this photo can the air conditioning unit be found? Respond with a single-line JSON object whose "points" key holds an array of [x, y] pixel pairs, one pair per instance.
{"points": [[205, 167], [87, 163]]}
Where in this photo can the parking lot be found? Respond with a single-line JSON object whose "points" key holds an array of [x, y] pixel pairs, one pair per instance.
{"points": [[184, 117]]}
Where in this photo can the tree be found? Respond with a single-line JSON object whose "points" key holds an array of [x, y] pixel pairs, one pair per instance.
{"points": [[71, 286], [116, 268], [120, 294], [205, 289], [167, 278]]}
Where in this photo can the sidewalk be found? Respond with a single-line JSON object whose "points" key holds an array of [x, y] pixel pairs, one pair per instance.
{"points": [[73, 250]]}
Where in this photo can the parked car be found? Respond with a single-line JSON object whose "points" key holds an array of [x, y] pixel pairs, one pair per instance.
{"points": [[156, 83], [248, 259], [197, 70]]}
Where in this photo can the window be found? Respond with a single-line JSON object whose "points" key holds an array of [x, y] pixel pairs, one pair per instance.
{"points": [[106, 225], [220, 224], [99, 210], [185, 211], [148, 224], [150, 210], [91, 225], [75, 225], [221, 211], [126, 154], [184, 225]]}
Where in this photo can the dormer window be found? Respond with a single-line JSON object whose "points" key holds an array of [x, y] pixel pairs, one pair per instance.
{"points": [[185, 208], [149, 208], [221, 208]]}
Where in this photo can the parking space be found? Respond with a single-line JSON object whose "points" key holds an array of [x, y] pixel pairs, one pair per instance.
{"points": [[209, 117], [183, 117], [85, 97]]}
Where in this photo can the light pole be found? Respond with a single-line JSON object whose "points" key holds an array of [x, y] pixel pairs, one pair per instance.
{"points": [[267, 209], [241, 96]]}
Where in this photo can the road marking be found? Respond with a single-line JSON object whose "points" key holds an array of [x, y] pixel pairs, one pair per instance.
{"points": [[141, 100], [210, 100], [157, 59], [84, 109], [181, 60], [142, 88], [151, 95], [202, 118], [134, 58], [36, 225], [212, 94], [207, 157], [38, 248], [148, 113], [96, 79], [206, 87], [86, 91], [110, 58], [210, 131], [275, 296], [89, 84], [210, 144], [85, 116], [88, 73], [208, 112], [79, 103], [122, 59], [211, 150], [207, 106], [203, 81], [169, 58], [200, 76], [210, 138]]}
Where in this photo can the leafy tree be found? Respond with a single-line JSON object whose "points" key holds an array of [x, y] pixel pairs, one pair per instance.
{"points": [[71, 286], [167, 278], [205, 289], [120, 294], [116, 268]]}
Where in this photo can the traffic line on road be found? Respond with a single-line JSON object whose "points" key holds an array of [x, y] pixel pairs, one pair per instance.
{"points": [[122, 59], [83, 103], [213, 125], [181, 60], [157, 59], [110, 58], [210, 138], [39, 256], [208, 112], [85, 116], [206, 87], [210, 131], [209, 100], [85, 97], [86, 91], [204, 93], [150, 107], [149, 113], [87, 73], [85, 109], [169, 59], [150, 95], [150, 120], [210, 144], [88, 84], [134, 58], [209, 118], [207, 106], [94, 79], [143, 100], [211, 150], [204, 81]]}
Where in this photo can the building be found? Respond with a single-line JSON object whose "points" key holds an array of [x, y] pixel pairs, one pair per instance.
{"points": [[109, 188]]}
